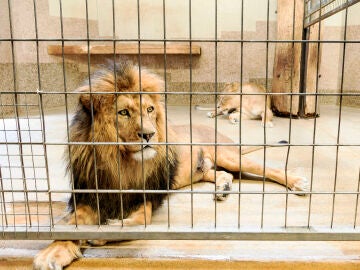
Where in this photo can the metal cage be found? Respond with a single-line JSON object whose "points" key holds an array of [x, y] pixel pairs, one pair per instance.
{"points": [[29, 194]]}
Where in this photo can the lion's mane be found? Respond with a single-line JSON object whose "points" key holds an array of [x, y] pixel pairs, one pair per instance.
{"points": [[96, 167]]}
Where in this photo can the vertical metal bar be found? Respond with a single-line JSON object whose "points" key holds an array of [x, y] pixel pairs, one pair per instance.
{"points": [[216, 96], [117, 120], [357, 200], [241, 98], [10, 173], [315, 120], [67, 110], [18, 127], [141, 115], [340, 113], [303, 66], [290, 116], [266, 96], [190, 111], [32, 157], [166, 116], [42, 124], [4, 221], [4, 218], [92, 111]]}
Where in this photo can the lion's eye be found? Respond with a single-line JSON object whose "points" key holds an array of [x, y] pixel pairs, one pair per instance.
{"points": [[124, 112], [150, 109]]}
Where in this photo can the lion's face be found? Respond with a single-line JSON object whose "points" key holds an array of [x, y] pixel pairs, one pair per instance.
{"points": [[136, 121], [227, 103]]}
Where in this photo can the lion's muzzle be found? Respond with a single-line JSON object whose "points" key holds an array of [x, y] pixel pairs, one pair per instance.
{"points": [[146, 135]]}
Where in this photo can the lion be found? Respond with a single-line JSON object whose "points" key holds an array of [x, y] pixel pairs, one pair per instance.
{"points": [[120, 141], [253, 106]]}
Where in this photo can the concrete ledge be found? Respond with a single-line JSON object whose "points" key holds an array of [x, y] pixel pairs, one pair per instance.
{"points": [[166, 254], [129, 263]]}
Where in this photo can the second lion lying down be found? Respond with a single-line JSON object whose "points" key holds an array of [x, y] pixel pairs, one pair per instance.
{"points": [[254, 104], [144, 153]]}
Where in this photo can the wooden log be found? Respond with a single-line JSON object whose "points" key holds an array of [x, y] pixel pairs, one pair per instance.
{"points": [[131, 48], [287, 62]]}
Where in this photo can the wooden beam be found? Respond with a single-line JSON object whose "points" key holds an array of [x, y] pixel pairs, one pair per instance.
{"points": [[157, 49], [287, 62]]}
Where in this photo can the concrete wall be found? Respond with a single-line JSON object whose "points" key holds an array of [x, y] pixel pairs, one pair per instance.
{"points": [[332, 56], [100, 25]]}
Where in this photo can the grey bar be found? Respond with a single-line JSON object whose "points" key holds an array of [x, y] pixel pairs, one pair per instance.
{"points": [[345, 4], [153, 232]]}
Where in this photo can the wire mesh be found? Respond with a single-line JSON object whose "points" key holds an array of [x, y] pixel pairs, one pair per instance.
{"points": [[30, 204]]}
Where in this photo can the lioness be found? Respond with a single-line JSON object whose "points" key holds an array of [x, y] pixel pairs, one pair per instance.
{"points": [[251, 107], [137, 157]]}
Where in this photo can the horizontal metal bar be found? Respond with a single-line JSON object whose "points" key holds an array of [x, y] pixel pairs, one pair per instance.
{"points": [[19, 213], [176, 40], [173, 143], [49, 92], [19, 105], [25, 167], [144, 191], [159, 232], [22, 179], [22, 130], [26, 118], [17, 155]]}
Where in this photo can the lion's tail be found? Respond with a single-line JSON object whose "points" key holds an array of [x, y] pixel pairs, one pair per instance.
{"points": [[200, 108], [251, 149]]}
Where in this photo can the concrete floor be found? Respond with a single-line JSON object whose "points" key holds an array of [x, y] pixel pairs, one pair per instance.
{"points": [[324, 209]]}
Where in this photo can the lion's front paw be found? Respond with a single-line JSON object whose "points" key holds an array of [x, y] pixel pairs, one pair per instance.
{"points": [[57, 255], [234, 121], [302, 184], [234, 118], [210, 114], [223, 183]]}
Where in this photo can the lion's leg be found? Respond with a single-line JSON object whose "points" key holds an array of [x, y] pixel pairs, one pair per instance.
{"points": [[267, 120], [222, 180], [235, 117], [61, 253], [139, 217], [213, 114], [230, 161]]}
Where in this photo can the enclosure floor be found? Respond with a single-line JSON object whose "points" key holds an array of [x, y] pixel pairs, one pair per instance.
{"points": [[335, 168]]}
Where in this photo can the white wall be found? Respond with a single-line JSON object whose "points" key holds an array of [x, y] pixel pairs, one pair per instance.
{"points": [[176, 16]]}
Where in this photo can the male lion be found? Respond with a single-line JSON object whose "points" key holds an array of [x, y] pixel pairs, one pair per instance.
{"points": [[137, 156], [253, 106]]}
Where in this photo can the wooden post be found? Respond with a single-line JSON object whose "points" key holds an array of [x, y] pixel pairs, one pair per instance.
{"points": [[311, 72], [287, 63]]}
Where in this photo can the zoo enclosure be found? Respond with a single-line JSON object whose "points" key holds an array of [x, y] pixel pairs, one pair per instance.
{"points": [[25, 176]]}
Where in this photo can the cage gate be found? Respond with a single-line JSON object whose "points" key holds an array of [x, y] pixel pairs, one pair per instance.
{"points": [[55, 45]]}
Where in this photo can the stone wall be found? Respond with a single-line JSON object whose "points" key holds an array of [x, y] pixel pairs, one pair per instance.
{"points": [[219, 62]]}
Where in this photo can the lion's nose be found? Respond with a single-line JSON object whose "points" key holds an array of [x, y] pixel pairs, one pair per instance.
{"points": [[146, 136]]}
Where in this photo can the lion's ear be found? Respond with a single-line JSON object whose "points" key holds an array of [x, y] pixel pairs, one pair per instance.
{"points": [[94, 99]]}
